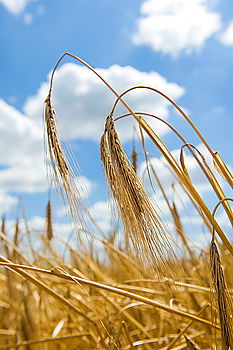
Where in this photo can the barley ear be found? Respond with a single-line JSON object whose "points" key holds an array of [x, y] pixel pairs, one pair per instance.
{"points": [[222, 298], [221, 293], [54, 146], [49, 221], [63, 175], [141, 221], [134, 157]]}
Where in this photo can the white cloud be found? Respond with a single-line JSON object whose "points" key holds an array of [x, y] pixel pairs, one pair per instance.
{"points": [[176, 26], [22, 166], [82, 102], [6, 202], [21, 142], [102, 214], [37, 227], [28, 18], [221, 218], [84, 186], [65, 236], [15, 6], [226, 38], [37, 223], [24, 178], [20, 137]]}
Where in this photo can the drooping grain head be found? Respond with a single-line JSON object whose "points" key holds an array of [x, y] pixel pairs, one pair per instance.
{"points": [[55, 149], [222, 298], [16, 234], [141, 221], [62, 173], [134, 160], [49, 221]]}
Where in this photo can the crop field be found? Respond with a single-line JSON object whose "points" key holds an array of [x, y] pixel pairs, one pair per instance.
{"points": [[144, 284]]}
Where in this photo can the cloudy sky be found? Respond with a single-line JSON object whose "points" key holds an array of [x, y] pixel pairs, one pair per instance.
{"points": [[182, 47]]}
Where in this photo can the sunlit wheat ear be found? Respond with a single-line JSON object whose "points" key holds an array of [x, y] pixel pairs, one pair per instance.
{"points": [[62, 175], [222, 298], [134, 160], [49, 221], [141, 222], [54, 146], [16, 234]]}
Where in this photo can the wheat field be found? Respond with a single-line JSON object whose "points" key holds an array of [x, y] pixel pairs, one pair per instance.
{"points": [[133, 287]]}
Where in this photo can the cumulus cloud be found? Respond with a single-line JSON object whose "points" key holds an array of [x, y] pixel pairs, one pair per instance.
{"points": [[22, 158], [84, 186], [37, 228], [102, 214], [226, 38], [6, 202], [22, 165], [82, 102], [18, 130], [27, 178], [37, 224], [15, 6], [175, 26]]}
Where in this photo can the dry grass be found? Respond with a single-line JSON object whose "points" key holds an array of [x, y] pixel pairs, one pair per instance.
{"points": [[110, 293]]}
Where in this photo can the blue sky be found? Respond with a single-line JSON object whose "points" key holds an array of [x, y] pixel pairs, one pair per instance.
{"points": [[184, 47]]}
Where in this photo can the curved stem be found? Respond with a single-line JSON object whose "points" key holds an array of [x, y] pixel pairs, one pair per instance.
{"points": [[211, 178], [58, 272], [191, 148], [173, 103], [157, 141], [214, 212], [96, 73]]}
